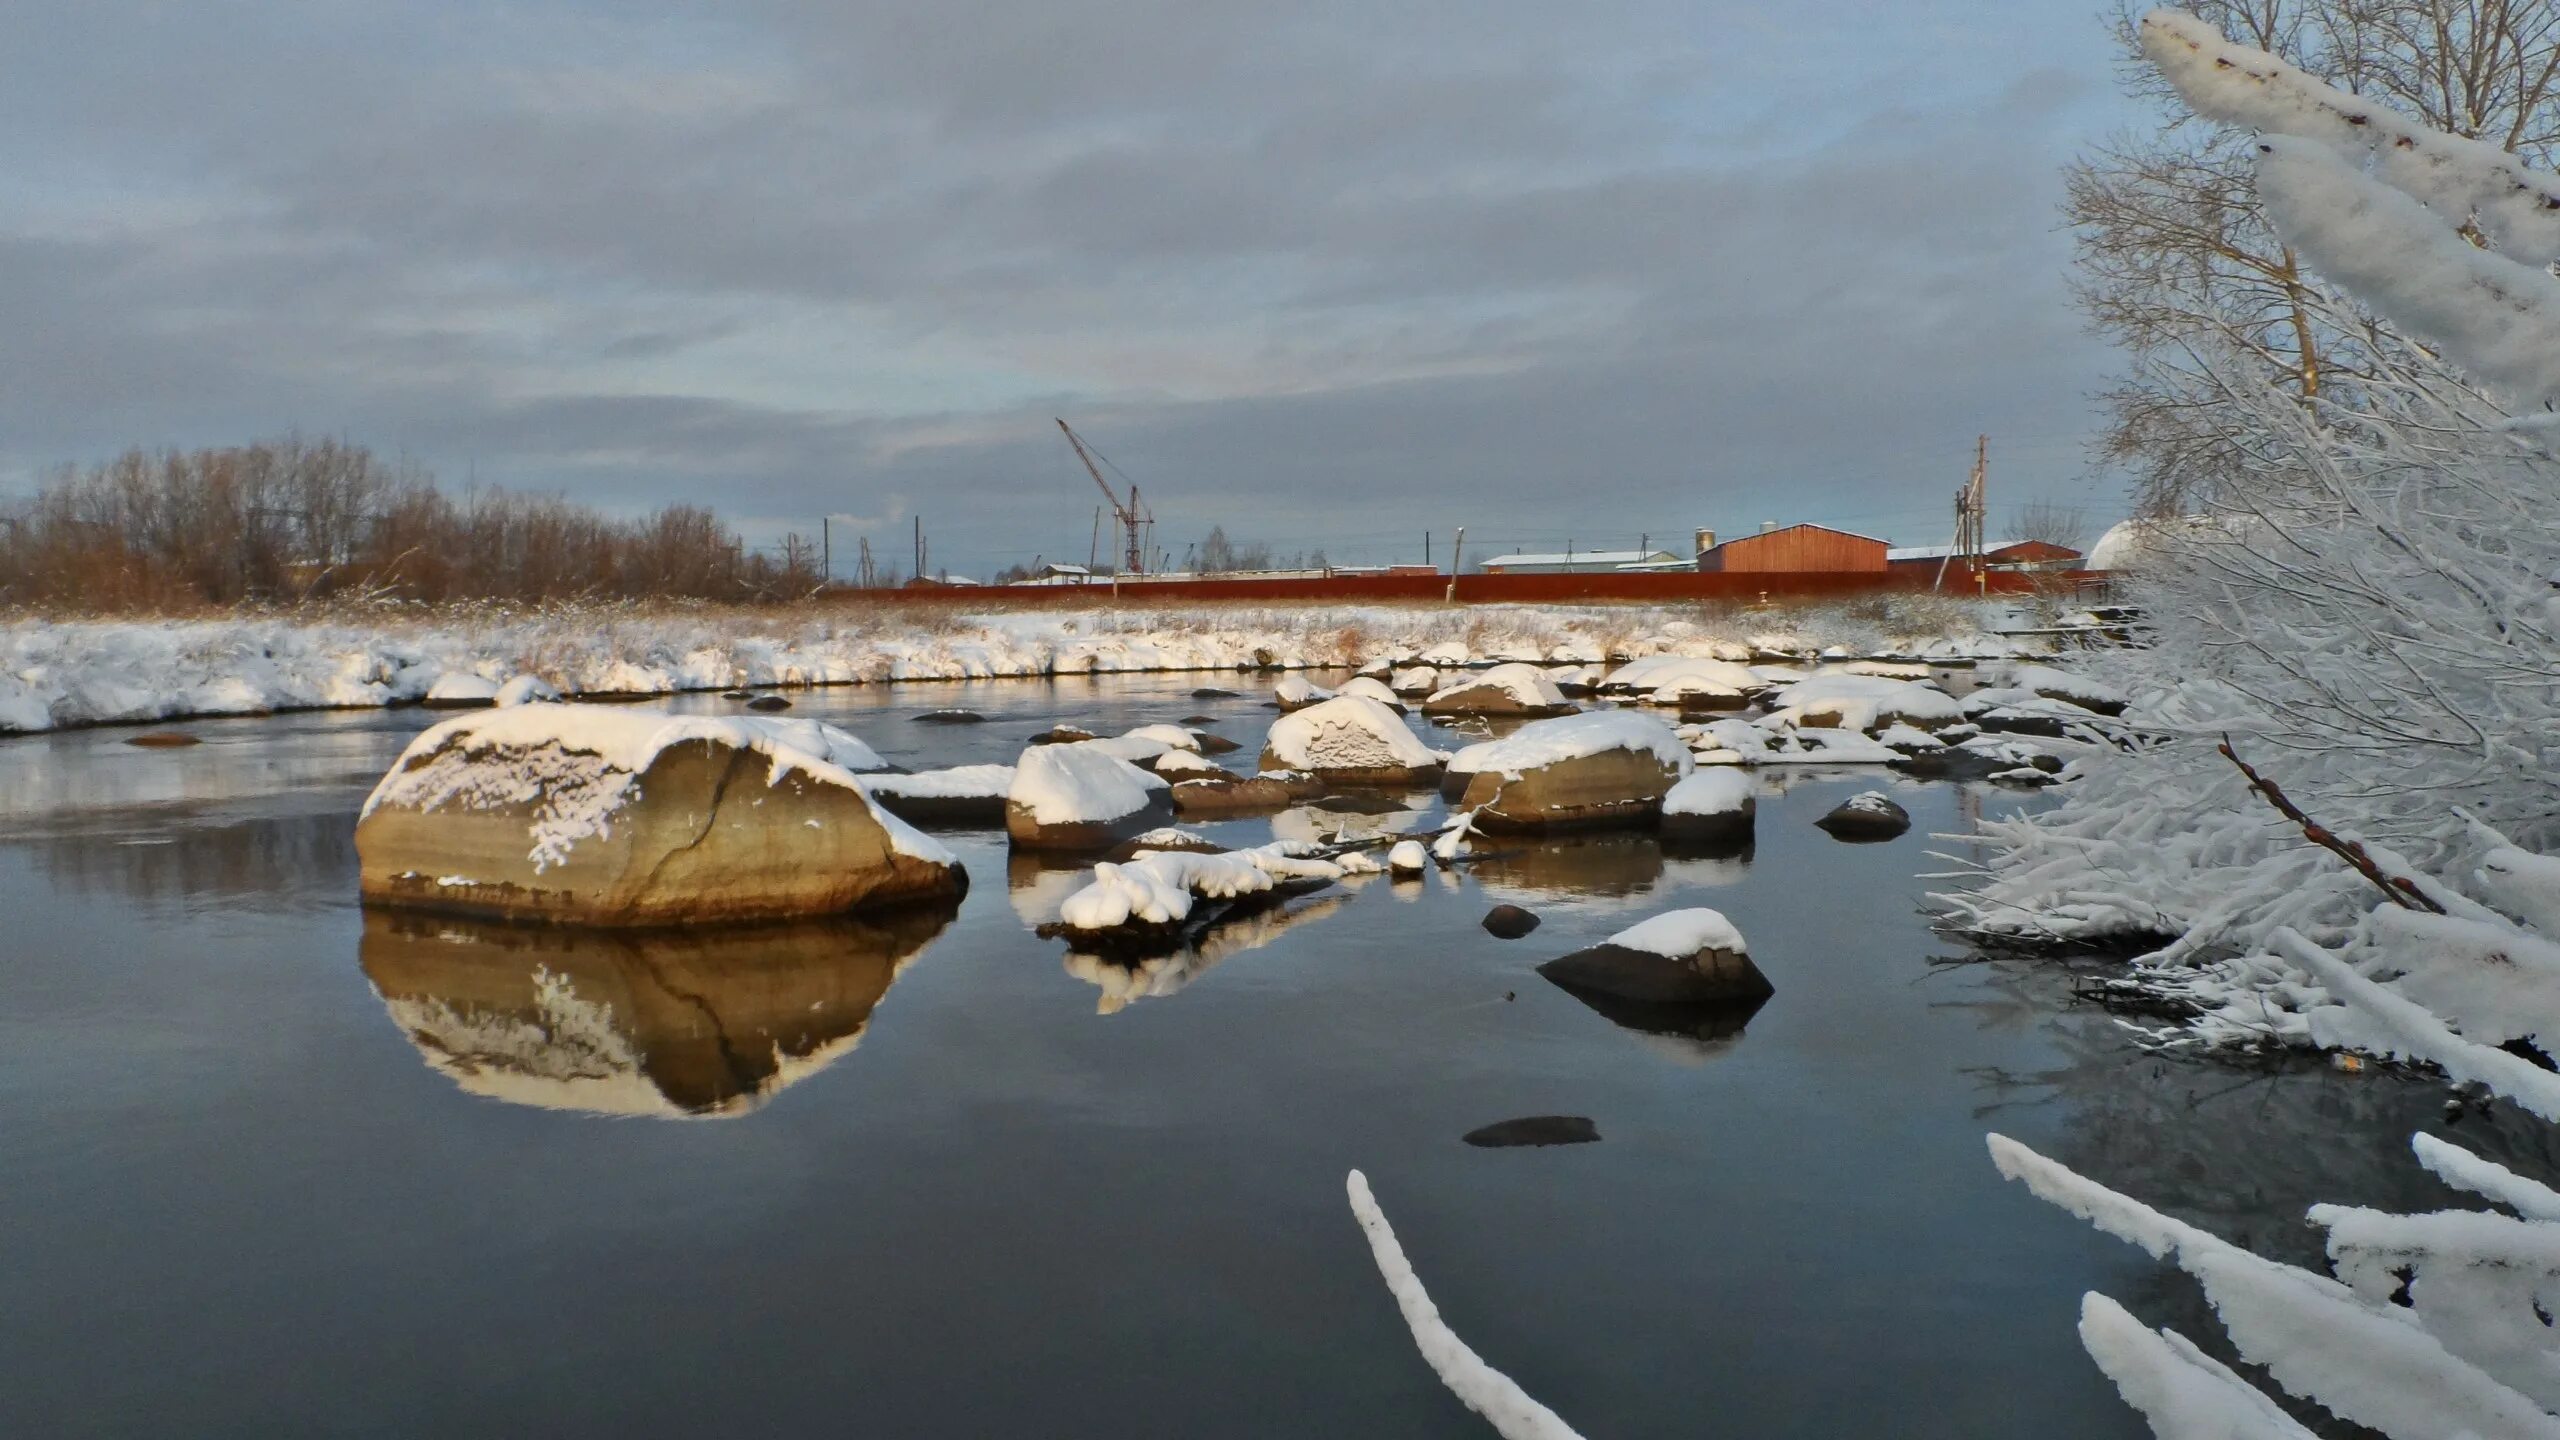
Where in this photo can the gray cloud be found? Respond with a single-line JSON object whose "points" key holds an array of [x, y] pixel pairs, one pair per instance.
{"points": [[1332, 277]]}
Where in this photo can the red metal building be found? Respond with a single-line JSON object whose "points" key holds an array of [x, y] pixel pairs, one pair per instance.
{"points": [[1796, 549]]}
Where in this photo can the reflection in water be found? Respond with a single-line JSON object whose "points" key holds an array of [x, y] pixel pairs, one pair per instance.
{"points": [[1325, 827], [1037, 884], [257, 860], [1691, 1034], [1124, 980], [667, 1023]]}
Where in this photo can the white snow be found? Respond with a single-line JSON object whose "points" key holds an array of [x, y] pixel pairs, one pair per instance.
{"points": [[1296, 690], [1078, 784], [462, 688], [1710, 792], [958, 782], [1667, 677], [578, 764], [1408, 857], [1863, 702], [1679, 934], [1158, 887], [1541, 743], [1374, 689], [525, 690], [1187, 763], [1347, 732], [1483, 1389], [1526, 685]]}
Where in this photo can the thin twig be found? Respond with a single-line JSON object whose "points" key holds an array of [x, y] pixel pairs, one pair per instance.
{"points": [[2399, 890]]}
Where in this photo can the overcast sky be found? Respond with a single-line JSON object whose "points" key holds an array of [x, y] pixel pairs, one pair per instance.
{"points": [[1330, 274]]}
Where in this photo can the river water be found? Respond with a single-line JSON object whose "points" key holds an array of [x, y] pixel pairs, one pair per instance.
{"points": [[271, 1170]]}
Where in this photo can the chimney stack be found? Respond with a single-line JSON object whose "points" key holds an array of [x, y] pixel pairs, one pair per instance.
{"points": [[1707, 542]]}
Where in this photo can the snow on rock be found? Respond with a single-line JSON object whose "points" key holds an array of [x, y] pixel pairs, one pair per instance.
{"points": [[1350, 738], [1684, 679], [1868, 815], [604, 815], [1678, 933], [1680, 957], [1372, 688], [526, 690], [1080, 796], [461, 688], [1839, 700], [1595, 768], [1158, 888], [1512, 689], [1414, 680], [1743, 742], [1710, 806], [1407, 857], [2086, 691], [961, 794], [1296, 692], [1185, 764]]}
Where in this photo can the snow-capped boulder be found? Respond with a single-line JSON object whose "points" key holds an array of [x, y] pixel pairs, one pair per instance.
{"points": [[1408, 858], [1869, 815], [1080, 797], [1414, 680], [960, 795], [1351, 740], [527, 690], [1712, 805], [1680, 957], [1601, 767], [1374, 688], [1839, 700], [1513, 689], [586, 815], [1209, 797], [1744, 742], [1159, 897], [1297, 692], [460, 690], [1687, 682]]}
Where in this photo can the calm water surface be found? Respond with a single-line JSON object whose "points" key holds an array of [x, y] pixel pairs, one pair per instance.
{"points": [[270, 1170]]}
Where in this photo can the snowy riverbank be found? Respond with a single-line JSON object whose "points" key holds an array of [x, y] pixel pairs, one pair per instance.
{"points": [[64, 673]]}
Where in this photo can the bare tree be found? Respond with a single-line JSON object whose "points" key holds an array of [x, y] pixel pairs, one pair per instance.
{"points": [[2051, 523]]}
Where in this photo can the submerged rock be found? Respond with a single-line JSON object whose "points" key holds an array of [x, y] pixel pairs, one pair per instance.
{"points": [[1680, 957], [769, 703], [1534, 1130], [1063, 735], [950, 717], [1212, 692], [1871, 815], [163, 740], [1509, 922], [581, 815]]}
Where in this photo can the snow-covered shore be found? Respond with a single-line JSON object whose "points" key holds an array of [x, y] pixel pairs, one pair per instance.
{"points": [[55, 674]]}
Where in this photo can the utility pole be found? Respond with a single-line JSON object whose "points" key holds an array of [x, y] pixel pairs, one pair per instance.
{"points": [[919, 570], [1426, 547], [826, 549], [1971, 505], [1457, 562]]}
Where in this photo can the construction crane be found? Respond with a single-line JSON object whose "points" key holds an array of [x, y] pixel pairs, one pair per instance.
{"points": [[1135, 522], [1970, 509]]}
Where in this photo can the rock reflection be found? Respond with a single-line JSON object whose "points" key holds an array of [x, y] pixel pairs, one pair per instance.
{"points": [[1690, 1034], [1124, 980], [1036, 884], [701, 1023]]}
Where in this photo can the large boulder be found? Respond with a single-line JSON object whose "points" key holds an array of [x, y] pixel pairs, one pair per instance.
{"points": [[1081, 797], [582, 815], [1504, 690], [1209, 797], [1606, 767], [1351, 740], [1714, 806], [1680, 957]]}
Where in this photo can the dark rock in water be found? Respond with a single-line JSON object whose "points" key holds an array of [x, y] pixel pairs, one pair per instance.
{"points": [[1062, 735], [1509, 922], [1358, 804], [1535, 1130], [1212, 692], [1216, 744], [163, 740], [950, 717], [1707, 977], [1870, 816], [1199, 720], [733, 694], [1211, 797], [768, 702]]}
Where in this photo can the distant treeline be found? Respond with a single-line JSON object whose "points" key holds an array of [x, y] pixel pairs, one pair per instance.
{"points": [[284, 521]]}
